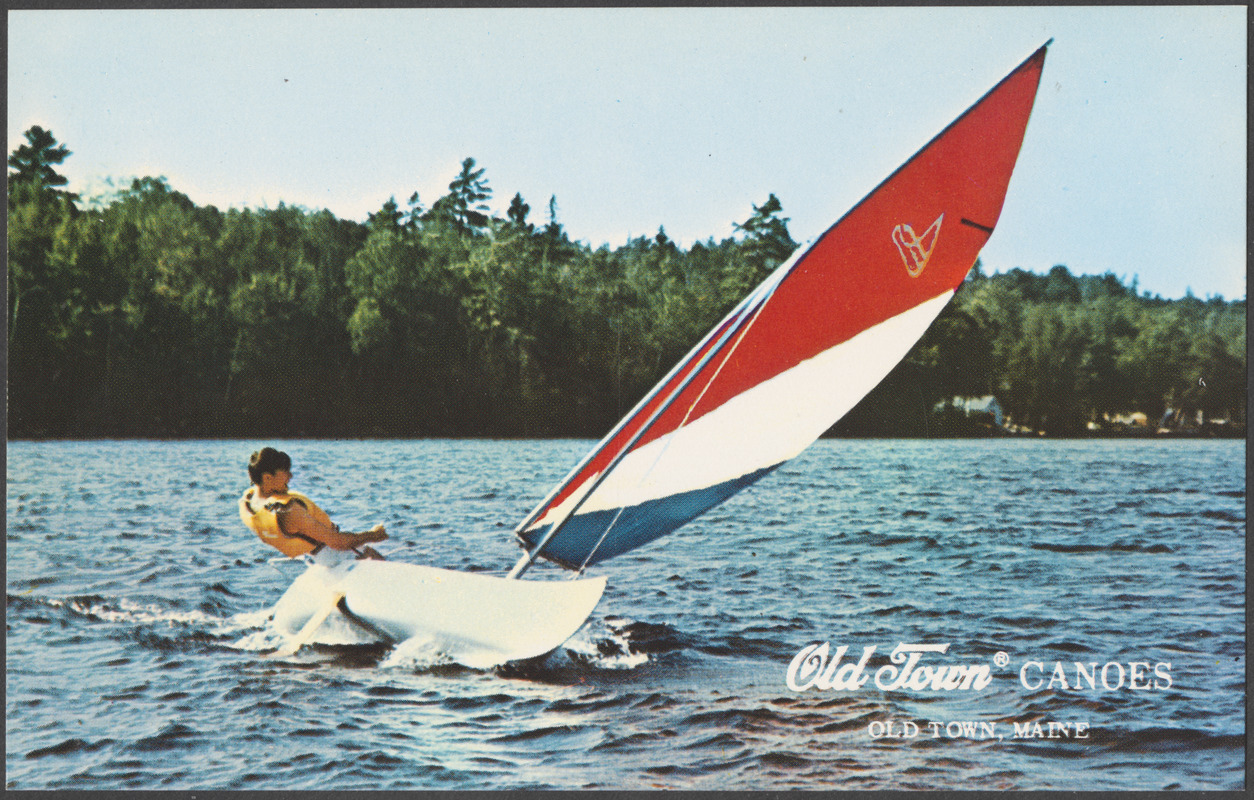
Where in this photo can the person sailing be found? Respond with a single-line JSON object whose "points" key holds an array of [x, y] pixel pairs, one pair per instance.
{"points": [[291, 522]]}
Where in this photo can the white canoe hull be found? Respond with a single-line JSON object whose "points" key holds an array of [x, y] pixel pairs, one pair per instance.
{"points": [[475, 619]]}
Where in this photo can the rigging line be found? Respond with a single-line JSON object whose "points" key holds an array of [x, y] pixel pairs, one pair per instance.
{"points": [[722, 364], [687, 415], [597, 546]]}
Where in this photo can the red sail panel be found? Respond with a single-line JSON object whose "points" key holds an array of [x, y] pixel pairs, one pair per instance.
{"points": [[855, 275], [912, 239]]}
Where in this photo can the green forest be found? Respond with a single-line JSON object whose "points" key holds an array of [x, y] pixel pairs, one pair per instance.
{"points": [[141, 314]]}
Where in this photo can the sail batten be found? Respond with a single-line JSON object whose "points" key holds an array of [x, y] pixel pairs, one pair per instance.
{"points": [[801, 349]]}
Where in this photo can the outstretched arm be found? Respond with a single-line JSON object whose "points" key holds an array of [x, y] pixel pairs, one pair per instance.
{"points": [[296, 519]]}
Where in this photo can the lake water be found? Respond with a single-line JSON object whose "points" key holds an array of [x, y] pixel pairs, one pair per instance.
{"points": [[137, 633]]}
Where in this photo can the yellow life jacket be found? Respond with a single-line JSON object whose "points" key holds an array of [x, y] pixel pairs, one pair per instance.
{"points": [[260, 514]]}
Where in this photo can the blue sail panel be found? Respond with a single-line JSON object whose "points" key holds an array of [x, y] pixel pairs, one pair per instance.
{"points": [[628, 528]]}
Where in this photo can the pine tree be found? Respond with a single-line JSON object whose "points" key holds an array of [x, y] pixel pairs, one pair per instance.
{"points": [[518, 211], [466, 197], [33, 163]]}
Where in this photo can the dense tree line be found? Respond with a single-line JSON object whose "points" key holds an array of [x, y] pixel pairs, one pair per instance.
{"points": [[1060, 351], [143, 314]]}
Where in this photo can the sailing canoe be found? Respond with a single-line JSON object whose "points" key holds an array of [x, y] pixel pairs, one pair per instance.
{"points": [[781, 368]]}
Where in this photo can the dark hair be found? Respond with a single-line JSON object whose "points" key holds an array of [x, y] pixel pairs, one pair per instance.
{"points": [[265, 460]]}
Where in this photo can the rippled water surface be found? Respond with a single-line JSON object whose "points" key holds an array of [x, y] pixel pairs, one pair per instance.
{"points": [[137, 637]]}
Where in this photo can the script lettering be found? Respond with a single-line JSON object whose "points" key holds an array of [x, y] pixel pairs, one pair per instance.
{"points": [[811, 667]]}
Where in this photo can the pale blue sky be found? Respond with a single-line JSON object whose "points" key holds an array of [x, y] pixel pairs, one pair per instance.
{"points": [[1134, 162]]}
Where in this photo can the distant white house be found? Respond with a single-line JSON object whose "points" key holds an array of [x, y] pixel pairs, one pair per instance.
{"points": [[974, 406]]}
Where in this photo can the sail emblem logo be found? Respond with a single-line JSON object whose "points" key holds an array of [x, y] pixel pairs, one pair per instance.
{"points": [[916, 250]]}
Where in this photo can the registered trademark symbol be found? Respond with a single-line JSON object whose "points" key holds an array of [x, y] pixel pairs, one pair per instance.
{"points": [[1000, 658]]}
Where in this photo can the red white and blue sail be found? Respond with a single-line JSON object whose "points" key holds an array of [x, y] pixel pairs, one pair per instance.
{"points": [[802, 349]]}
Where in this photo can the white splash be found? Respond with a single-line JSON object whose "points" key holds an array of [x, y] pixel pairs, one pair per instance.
{"points": [[586, 647], [124, 610], [417, 653]]}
